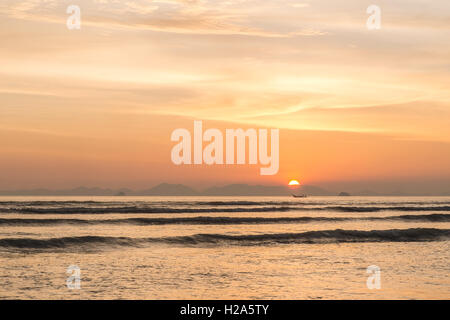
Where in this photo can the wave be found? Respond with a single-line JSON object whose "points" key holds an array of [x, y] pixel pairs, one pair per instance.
{"points": [[308, 202], [150, 210], [164, 221], [137, 209], [55, 202], [222, 220], [311, 237], [388, 208], [249, 203], [437, 217], [213, 203]]}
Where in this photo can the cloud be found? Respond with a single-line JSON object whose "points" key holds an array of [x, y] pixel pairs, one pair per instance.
{"points": [[291, 74], [177, 16]]}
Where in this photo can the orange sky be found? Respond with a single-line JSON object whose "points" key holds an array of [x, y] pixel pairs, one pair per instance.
{"points": [[96, 106]]}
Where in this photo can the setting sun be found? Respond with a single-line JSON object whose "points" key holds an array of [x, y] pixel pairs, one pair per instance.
{"points": [[156, 138]]}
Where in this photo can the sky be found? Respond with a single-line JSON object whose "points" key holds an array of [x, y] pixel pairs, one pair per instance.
{"points": [[356, 108]]}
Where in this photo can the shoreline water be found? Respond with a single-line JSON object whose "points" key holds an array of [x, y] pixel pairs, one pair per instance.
{"points": [[192, 251]]}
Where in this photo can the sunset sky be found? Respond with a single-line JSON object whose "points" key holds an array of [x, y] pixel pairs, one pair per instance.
{"points": [[356, 108]]}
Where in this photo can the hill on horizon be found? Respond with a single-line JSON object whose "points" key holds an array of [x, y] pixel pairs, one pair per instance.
{"points": [[167, 189]]}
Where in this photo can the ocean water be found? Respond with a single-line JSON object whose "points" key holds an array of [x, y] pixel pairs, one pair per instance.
{"points": [[224, 248]]}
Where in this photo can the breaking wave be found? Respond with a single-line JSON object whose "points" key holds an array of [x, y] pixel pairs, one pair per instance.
{"points": [[311, 237], [137, 209], [150, 209], [221, 220]]}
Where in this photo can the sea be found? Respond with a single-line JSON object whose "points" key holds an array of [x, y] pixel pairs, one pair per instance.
{"points": [[224, 248]]}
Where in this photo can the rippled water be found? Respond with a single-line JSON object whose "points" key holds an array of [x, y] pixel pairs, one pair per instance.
{"points": [[224, 248]]}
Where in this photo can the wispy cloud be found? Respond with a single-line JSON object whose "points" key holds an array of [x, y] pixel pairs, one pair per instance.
{"points": [[177, 16]]}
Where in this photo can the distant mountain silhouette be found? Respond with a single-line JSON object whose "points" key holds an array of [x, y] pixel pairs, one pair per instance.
{"points": [[259, 190], [80, 191], [245, 190], [166, 189]]}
